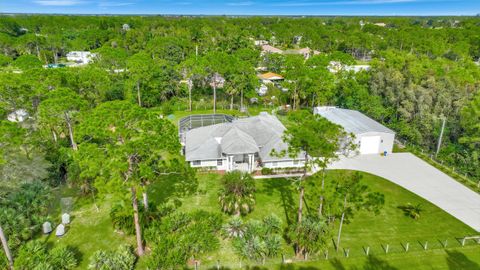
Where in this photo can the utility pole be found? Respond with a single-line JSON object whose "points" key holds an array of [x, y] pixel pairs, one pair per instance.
{"points": [[440, 137]]}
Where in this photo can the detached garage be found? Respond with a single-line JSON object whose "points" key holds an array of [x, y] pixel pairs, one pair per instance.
{"points": [[371, 136]]}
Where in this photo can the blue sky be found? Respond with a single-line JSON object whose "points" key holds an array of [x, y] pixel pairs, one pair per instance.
{"points": [[246, 7]]}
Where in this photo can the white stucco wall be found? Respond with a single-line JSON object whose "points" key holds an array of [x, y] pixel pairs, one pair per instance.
{"points": [[386, 142], [282, 164], [210, 163]]}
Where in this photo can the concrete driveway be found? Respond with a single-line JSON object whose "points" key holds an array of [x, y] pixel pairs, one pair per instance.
{"points": [[419, 177]]}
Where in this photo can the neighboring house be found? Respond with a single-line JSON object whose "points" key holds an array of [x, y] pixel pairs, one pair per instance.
{"points": [[125, 27], [270, 77], [244, 144], [336, 66], [270, 49], [370, 136], [260, 42], [18, 116], [306, 52], [381, 24], [81, 57]]}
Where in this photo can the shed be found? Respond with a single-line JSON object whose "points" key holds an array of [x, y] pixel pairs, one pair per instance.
{"points": [[370, 136]]}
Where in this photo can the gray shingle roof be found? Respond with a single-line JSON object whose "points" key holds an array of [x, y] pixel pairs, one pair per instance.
{"points": [[260, 134], [352, 121]]}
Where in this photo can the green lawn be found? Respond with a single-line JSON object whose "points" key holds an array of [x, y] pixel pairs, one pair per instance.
{"points": [[91, 230], [390, 227]]}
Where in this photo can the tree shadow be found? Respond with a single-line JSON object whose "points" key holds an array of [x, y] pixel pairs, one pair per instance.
{"points": [[286, 191], [457, 260], [171, 186], [337, 264], [375, 263]]}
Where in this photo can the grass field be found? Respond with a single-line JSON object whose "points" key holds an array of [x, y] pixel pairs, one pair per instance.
{"points": [[390, 227], [91, 230]]}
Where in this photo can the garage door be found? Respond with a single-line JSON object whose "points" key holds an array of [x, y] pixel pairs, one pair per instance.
{"points": [[369, 145]]}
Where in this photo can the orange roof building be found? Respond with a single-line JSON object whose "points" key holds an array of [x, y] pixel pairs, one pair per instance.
{"points": [[270, 76]]}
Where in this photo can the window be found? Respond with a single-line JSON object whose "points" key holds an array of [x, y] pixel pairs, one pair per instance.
{"points": [[274, 164], [196, 162], [295, 162], [219, 162]]}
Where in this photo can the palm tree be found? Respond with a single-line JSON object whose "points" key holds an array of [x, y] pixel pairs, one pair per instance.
{"points": [[414, 211], [237, 194]]}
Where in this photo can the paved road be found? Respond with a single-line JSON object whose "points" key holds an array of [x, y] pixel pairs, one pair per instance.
{"points": [[419, 177]]}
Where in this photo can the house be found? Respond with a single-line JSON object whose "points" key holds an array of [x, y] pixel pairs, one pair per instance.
{"points": [[306, 52], [270, 49], [381, 24], [370, 136], [260, 42], [243, 144], [125, 27], [269, 77], [336, 66], [81, 57]]}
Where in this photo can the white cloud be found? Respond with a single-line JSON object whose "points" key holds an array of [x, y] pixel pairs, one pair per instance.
{"points": [[59, 2]]}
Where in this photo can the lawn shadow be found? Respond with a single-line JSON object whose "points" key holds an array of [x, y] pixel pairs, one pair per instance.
{"points": [[458, 260], [375, 263], [337, 264], [406, 210], [171, 187], [285, 189], [295, 267]]}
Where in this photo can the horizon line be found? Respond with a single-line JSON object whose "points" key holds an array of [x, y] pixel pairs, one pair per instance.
{"points": [[234, 15]]}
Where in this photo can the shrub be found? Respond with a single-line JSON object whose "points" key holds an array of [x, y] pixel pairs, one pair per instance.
{"points": [[34, 255], [413, 211], [234, 228], [179, 236], [267, 171], [121, 258], [167, 109], [256, 240], [22, 212], [237, 193], [309, 236]]}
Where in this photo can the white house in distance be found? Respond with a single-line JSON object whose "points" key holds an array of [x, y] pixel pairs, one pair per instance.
{"points": [[336, 66], [81, 57], [370, 136], [244, 144], [267, 78]]}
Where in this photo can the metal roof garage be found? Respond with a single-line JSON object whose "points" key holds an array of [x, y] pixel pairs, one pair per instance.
{"points": [[371, 136]]}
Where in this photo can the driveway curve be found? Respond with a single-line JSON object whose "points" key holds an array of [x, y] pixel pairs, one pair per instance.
{"points": [[421, 178]]}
